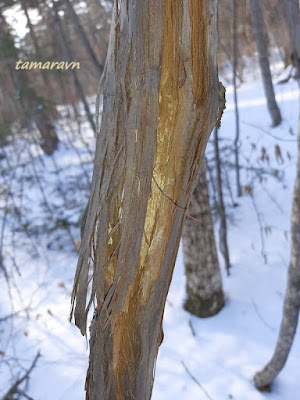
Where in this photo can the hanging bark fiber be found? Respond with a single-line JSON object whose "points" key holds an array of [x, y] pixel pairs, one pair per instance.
{"points": [[160, 105]]}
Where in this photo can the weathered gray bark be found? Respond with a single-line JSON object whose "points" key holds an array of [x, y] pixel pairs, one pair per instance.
{"points": [[82, 36], [292, 298], [203, 278], [160, 105], [262, 49], [67, 52], [221, 205]]}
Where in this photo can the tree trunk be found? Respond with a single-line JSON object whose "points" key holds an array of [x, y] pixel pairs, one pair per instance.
{"points": [[28, 103], [82, 36], [160, 105], [31, 110], [236, 109], [44, 74], [203, 278], [67, 52], [293, 18], [49, 139], [262, 49], [221, 205], [292, 298]]}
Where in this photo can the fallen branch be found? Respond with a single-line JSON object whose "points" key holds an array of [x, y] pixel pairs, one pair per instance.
{"points": [[195, 380]]}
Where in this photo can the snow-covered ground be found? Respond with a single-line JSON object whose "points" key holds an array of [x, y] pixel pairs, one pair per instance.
{"points": [[211, 358]]}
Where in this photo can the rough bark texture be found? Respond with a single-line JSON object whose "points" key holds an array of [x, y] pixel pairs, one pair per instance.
{"points": [[203, 278], [160, 105], [292, 298], [262, 49]]}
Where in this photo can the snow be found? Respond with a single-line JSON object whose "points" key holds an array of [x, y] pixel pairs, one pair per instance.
{"points": [[212, 358]]}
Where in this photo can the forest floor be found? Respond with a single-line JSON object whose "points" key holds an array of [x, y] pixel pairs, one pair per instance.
{"points": [[212, 358]]}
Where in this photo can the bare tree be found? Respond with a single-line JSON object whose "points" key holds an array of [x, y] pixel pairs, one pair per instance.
{"points": [[262, 49], [292, 298], [203, 278], [160, 105]]}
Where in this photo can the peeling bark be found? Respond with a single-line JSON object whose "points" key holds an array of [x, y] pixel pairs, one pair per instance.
{"points": [[160, 105], [203, 278], [292, 298]]}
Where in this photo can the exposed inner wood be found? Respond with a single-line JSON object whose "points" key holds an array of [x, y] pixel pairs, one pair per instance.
{"points": [[160, 105]]}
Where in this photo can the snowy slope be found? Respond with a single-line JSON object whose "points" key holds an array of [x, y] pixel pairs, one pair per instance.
{"points": [[212, 358]]}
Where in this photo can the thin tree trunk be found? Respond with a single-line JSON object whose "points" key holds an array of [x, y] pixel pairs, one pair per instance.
{"points": [[34, 40], [160, 105], [292, 298], [83, 37], [67, 52], [203, 278], [221, 206], [237, 119], [262, 49]]}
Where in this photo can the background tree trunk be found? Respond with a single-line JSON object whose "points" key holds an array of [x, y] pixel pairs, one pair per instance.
{"points": [[203, 278], [30, 107], [292, 298], [160, 105], [83, 37], [67, 52], [32, 111], [221, 205], [293, 18], [262, 49], [44, 74], [49, 139], [236, 109]]}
